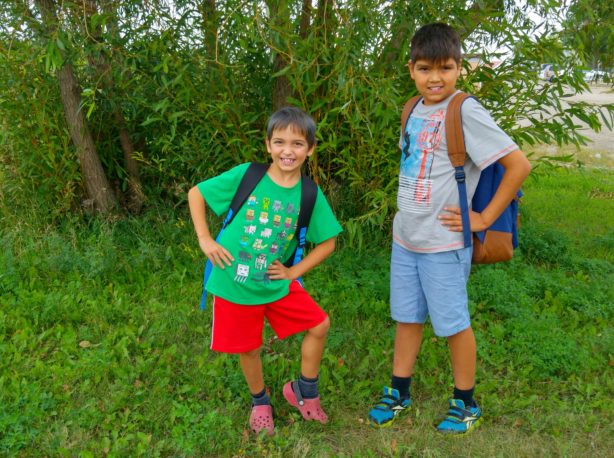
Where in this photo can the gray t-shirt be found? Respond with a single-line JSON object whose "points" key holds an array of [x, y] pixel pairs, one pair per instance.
{"points": [[426, 179]]}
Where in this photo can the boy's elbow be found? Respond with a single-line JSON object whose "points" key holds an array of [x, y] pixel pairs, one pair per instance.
{"points": [[194, 192]]}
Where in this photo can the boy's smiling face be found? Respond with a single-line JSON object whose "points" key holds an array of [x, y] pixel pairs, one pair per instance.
{"points": [[288, 149], [435, 81]]}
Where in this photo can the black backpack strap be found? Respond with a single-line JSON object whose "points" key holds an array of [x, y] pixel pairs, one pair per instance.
{"points": [[309, 193], [254, 173]]}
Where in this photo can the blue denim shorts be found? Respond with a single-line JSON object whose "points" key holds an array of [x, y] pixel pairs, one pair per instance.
{"points": [[433, 284]]}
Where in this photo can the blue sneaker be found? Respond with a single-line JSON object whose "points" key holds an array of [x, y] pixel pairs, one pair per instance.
{"points": [[385, 411], [460, 419]]}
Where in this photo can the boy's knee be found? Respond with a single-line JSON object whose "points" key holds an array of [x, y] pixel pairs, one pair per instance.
{"points": [[322, 329], [255, 353]]}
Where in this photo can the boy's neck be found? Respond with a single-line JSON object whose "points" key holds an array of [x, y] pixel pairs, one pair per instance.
{"points": [[284, 179]]}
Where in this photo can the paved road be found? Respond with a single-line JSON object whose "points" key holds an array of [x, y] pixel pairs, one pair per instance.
{"points": [[604, 140]]}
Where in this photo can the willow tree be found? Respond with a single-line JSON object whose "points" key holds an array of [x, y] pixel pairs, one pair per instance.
{"points": [[96, 183]]}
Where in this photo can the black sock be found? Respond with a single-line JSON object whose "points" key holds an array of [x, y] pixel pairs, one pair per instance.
{"points": [[402, 385], [308, 387], [465, 395], [261, 399]]}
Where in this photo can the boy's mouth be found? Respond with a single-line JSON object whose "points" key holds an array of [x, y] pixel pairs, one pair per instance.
{"points": [[435, 88], [286, 160]]}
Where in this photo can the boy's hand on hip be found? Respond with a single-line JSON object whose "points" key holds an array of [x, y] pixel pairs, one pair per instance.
{"points": [[277, 271], [452, 220], [216, 253]]}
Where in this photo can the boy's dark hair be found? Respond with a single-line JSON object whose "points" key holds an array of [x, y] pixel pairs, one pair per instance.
{"points": [[295, 117], [435, 43]]}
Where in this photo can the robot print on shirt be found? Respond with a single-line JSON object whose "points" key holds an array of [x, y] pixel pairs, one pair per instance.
{"points": [[242, 273], [265, 203], [290, 209], [276, 220], [264, 217], [249, 214], [261, 261], [252, 201], [244, 256], [277, 206], [266, 233], [420, 142], [250, 229]]}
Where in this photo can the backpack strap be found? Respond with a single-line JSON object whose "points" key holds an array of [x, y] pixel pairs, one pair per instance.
{"points": [[407, 110], [309, 193], [457, 152], [254, 173]]}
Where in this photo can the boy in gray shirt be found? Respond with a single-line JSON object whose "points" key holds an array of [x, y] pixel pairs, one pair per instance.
{"points": [[430, 265]]}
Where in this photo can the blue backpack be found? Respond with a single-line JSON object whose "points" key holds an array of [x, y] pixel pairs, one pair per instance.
{"points": [[254, 173], [497, 243]]}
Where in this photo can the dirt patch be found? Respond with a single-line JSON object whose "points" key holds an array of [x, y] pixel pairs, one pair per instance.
{"points": [[599, 151]]}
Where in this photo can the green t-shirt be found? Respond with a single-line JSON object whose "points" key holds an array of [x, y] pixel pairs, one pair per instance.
{"points": [[261, 232]]}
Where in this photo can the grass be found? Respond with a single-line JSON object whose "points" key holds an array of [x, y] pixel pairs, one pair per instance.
{"points": [[103, 351]]}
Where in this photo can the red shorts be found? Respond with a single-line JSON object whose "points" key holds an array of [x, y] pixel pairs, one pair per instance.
{"points": [[238, 328]]}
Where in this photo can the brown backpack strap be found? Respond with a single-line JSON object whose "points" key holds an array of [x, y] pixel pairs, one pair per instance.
{"points": [[407, 109], [454, 130]]}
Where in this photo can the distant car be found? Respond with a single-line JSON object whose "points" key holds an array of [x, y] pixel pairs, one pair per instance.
{"points": [[594, 76], [546, 72], [588, 75]]}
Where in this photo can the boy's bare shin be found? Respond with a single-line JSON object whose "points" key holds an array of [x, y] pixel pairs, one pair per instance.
{"points": [[312, 349], [463, 357], [251, 365], [407, 343]]}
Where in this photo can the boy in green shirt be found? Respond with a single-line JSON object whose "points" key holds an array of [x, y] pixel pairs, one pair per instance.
{"points": [[249, 280]]}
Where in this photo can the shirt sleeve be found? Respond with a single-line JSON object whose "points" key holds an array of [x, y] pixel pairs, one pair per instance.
{"points": [[219, 190], [485, 141], [323, 224]]}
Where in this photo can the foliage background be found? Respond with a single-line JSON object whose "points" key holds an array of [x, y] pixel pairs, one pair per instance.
{"points": [[194, 84]]}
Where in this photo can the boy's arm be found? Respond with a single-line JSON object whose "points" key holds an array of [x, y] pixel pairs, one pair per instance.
{"points": [[217, 254], [277, 271], [517, 168]]}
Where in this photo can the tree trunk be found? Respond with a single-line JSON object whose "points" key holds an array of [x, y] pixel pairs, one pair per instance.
{"points": [[96, 183], [280, 18], [103, 65], [208, 12]]}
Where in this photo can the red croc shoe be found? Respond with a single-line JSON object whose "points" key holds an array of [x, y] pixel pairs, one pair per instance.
{"points": [[262, 418], [310, 409]]}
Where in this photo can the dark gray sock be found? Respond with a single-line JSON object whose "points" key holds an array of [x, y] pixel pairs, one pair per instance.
{"points": [[402, 385], [308, 387], [465, 395], [261, 399]]}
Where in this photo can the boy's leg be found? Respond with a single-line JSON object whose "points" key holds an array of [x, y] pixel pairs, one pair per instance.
{"points": [[303, 393], [408, 309], [312, 349], [251, 365], [463, 357], [294, 313], [238, 329], [464, 414], [407, 341]]}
